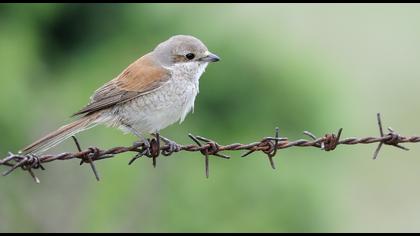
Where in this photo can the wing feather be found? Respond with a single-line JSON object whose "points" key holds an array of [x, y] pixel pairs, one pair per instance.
{"points": [[141, 77]]}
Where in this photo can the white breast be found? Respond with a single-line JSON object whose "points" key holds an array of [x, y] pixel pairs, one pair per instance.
{"points": [[166, 105]]}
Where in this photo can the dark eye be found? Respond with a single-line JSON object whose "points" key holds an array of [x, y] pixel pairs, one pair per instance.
{"points": [[190, 56]]}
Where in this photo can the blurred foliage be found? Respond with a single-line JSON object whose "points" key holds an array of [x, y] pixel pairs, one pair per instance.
{"points": [[312, 67]]}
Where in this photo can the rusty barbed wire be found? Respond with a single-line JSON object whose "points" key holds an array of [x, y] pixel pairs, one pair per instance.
{"points": [[207, 147]]}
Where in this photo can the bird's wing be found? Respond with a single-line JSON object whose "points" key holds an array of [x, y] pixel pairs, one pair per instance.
{"points": [[141, 77]]}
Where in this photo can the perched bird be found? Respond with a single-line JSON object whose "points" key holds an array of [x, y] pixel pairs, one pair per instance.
{"points": [[152, 93]]}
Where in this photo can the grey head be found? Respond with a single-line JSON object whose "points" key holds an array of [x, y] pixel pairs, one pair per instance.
{"points": [[183, 49]]}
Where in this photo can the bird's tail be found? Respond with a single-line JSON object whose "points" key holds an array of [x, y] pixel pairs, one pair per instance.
{"points": [[63, 133]]}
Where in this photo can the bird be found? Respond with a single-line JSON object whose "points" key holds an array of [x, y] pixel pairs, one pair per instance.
{"points": [[153, 92]]}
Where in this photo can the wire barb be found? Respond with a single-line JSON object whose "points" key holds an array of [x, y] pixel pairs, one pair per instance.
{"points": [[392, 138], [272, 151], [154, 147], [206, 156], [94, 152]]}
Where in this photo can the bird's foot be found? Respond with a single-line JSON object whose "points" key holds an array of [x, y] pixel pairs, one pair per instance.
{"points": [[173, 146], [145, 144], [145, 150]]}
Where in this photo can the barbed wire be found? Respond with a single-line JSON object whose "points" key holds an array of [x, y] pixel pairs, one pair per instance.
{"points": [[207, 147]]}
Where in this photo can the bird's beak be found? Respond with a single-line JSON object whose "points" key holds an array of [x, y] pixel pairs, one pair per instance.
{"points": [[210, 58]]}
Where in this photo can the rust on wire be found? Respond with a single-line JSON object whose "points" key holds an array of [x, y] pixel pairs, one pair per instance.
{"points": [[160, 145], [88, 157]]}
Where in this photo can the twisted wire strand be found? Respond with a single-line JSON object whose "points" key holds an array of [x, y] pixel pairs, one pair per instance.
{"points": [[207, 147]]}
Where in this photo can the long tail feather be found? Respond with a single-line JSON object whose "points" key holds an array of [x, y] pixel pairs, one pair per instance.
{"points": [[60, 135]]}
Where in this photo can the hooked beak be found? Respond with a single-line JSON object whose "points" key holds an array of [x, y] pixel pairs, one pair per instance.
{"points": [[210, 58]]}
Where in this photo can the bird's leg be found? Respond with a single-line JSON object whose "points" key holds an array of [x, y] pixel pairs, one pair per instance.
{"points": [[173, 146], [142, 139]]}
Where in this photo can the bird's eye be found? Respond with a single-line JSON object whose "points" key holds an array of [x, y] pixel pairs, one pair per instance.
{"points": [[190, 56]]}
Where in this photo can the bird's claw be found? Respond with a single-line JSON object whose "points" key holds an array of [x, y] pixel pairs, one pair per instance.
{"points": [[173, 146], [145, 144]]}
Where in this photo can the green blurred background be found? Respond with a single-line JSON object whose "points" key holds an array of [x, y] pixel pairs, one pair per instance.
{"points": [[301, 67]]}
